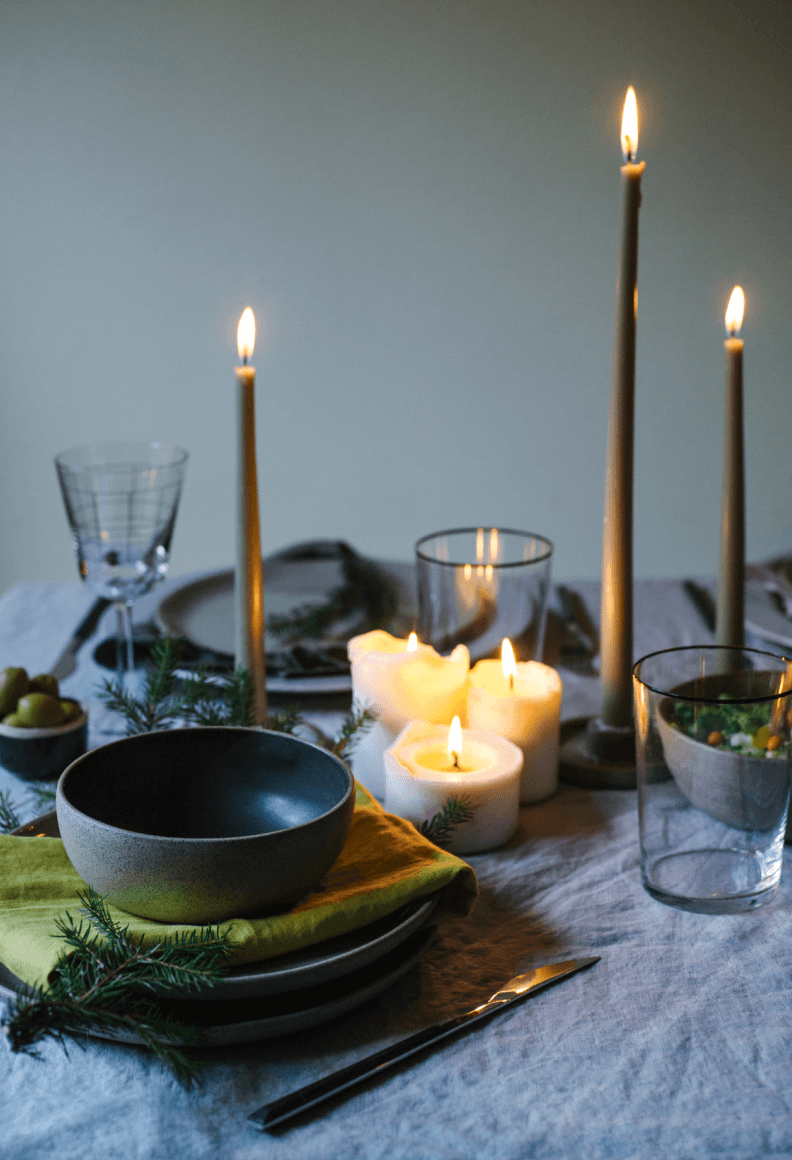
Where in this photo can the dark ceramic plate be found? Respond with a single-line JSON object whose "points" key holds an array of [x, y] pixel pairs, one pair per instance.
{"points": [[333, 959], [201, 610], [230, 1022]]}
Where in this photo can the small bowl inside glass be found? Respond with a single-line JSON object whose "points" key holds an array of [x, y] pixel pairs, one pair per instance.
{"points": [[42, 754], [479, 585], [714, 765]]}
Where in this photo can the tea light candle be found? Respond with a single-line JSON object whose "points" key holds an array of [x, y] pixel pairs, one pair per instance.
{"points": [[426, 766], [401, 681], [521, 702]]}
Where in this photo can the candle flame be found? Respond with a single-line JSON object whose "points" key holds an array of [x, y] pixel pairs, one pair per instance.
{"points": [[412, 642], [493, 544], [468, 571], [735, 311], [246, 334], [508, 663], [480, 544], [455, 741], [629, 129]]}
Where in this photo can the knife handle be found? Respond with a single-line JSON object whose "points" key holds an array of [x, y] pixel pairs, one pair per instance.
{"points": [[279, 1111]]}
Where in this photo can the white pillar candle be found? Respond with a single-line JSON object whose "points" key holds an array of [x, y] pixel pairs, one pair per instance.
{"points": [[400, 684], [525, 709], [421, 776]]}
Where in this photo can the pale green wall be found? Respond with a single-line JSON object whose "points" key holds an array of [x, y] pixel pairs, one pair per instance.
{"points": [[419, 199]]}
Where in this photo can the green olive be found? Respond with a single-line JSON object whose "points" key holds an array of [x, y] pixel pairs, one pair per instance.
{"points": [[45, 683], [13, 719], [71, 710], [39, 710], [13, 685]]}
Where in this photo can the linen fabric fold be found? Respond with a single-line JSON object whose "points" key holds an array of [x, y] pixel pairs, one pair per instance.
{"points": [[385, 863]]}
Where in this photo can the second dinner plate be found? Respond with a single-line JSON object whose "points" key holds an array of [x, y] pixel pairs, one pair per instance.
{"points": [[332, 959]]}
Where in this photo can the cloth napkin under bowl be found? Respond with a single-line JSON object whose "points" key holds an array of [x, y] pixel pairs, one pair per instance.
{"points": [[384, 864]]}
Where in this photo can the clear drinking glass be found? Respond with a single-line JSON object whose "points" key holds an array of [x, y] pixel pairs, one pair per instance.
{"points": [[714, 757], [121, 502], [479, 585]]}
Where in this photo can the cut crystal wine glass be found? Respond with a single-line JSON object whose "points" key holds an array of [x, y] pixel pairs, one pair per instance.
{"points": [[121, 502]]}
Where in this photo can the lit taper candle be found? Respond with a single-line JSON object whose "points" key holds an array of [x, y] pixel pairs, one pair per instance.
{"points": [[731, 576], [616, 628], [249, 584]]}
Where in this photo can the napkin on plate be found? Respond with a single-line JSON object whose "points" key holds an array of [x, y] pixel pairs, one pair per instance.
{"points": [[384, 864]]}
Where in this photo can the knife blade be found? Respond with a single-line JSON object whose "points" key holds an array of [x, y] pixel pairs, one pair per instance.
{"points": [[701, 599], [278, 1112], [67, 660]]}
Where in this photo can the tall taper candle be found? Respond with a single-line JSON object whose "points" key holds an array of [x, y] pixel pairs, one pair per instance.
{"points": [[249, 580], [731, 576], [616, 658]]}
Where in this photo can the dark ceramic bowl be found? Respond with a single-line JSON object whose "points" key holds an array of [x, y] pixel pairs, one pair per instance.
{"points": [[201, 825], [43, 754]]}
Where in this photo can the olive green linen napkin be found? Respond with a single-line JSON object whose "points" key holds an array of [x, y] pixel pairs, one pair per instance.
{"points": [[385, 863]]}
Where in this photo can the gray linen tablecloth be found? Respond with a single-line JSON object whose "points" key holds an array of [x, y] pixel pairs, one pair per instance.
{"points": [[675, 1045]]}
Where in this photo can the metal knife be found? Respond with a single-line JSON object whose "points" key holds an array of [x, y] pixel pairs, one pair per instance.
{"points": [[702, 600], [67, 661], [520, 987]]}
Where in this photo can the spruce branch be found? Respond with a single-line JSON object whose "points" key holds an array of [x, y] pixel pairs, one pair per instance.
{"points": [[286, 720], [364, 588], [440, 828], [157, 708], [44, 794], [107, 981], [9, 819], [358, 722]]}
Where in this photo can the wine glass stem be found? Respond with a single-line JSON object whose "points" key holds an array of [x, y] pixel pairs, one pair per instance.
{"points": [[125, 647]]}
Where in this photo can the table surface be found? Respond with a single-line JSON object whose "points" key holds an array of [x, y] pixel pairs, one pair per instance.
{"points": [[675, 1045]]}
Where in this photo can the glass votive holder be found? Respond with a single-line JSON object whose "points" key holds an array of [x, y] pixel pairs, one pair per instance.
{"points": [[714, 763], [479, 585]]}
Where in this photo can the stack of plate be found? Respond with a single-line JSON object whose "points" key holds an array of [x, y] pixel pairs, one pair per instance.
{"points": [[296, 991]]}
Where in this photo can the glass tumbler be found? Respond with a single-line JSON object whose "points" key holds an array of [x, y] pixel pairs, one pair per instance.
{"points": [[479, 585], [714, 758]]}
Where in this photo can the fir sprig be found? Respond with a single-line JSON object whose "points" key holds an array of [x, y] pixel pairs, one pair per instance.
{"points": [[107, 981], [9, 820], [364, 589], [202, 700], [158, 706], [44, 794], [358, 722], [440, 828]]}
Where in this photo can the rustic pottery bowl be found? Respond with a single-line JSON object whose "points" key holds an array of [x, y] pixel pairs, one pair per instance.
{"points": [[733, 788], [43, 754], [201, 825]]}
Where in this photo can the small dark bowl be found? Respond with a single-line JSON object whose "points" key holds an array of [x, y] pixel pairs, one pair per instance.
{"points": [[43, 754], [201, 825]]}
